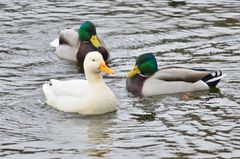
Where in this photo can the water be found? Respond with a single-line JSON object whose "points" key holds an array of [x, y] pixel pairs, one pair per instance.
{"points": [[193, 34]]}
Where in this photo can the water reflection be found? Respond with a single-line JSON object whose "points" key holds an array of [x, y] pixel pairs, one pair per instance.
{"points": [[97, 131], [150, 106], [98, 136], [144, 117], [176, 3]]}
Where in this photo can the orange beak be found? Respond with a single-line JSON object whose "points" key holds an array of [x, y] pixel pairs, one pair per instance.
{"points": [[103, 67]]}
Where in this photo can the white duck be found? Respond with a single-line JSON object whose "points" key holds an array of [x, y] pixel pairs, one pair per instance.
{"points": [[90, 96]]}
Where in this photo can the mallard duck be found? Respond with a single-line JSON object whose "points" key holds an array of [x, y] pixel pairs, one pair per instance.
{"points": [[147, 80], [75, 44], [88, 97]]}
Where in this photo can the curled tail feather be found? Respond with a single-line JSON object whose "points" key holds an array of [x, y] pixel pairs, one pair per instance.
{"points": [[48, 92], [212, 79]]}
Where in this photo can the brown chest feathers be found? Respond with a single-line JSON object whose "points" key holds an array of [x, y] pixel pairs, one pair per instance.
{"points": [[87, 47], [135, 84]]}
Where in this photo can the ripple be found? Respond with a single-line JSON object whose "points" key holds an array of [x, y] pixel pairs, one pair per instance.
{"points": [[194, 34]]}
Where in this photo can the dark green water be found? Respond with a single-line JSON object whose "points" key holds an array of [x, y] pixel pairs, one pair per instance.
{"points": [[203, 34]]}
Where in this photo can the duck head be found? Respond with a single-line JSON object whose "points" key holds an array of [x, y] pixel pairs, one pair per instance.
{"points": [[146, 65], [94, 64], [87, 32]]}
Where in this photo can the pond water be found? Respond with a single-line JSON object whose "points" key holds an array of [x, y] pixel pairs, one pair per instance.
{"points": [[200, 34]]}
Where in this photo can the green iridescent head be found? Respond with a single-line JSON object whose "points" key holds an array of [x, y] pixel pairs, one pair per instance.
{"points": [[146, 64], [87, 32]]}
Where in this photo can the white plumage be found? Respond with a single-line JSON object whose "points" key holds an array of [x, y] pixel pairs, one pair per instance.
{"points": [[69, 49], [90, 96]]}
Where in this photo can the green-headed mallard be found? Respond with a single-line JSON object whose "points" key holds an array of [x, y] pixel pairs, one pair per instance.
{"points": [[74, 45], [90, 96], [147, 80]]}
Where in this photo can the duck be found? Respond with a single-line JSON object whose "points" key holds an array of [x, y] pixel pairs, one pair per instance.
{"points": [[74, 44], [145, 79], [87, 97]]}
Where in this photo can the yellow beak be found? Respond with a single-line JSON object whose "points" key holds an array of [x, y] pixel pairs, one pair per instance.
{"points": [[133, 72], [103, 67], [94, 40]]}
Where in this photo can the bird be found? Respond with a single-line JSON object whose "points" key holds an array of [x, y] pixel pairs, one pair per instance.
{"points": [[145, 79], [87, 97], [74, 44]]}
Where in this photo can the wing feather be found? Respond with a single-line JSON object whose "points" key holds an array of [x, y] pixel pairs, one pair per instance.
{"points": [[181, 74], [74, 88]]}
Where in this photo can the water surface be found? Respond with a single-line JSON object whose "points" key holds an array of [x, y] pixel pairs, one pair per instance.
{"points": [[202, 34]]}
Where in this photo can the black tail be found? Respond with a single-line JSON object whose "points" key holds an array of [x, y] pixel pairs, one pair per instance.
{"points": [[212, 79]]}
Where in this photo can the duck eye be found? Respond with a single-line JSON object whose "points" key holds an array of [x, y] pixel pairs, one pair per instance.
{"points": [[93, 59]]}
